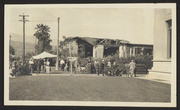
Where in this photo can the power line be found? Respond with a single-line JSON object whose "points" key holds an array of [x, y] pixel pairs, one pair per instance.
{"points": [[43, 20], [49, 14], [37, 21]]}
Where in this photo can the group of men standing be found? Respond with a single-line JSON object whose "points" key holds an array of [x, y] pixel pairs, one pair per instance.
{"points": [[64, 64], [40, 65]]}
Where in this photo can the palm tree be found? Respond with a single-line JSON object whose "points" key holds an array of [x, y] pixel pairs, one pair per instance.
{"points": [[43, 36]]}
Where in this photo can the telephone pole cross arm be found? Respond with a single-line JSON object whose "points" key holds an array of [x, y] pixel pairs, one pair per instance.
{"points": [[24, 20]]}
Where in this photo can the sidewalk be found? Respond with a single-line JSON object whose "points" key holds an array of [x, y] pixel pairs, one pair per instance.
{"points": [[153, 79], [66, 73]]}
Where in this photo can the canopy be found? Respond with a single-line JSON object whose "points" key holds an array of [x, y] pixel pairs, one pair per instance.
{"points": [[44, 55]]}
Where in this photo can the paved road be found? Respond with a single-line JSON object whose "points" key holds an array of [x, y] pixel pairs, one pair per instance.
{"points": [[87, 88]]}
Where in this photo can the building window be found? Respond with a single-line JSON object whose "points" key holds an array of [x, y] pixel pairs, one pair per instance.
{"points": [[138, 50], [169, 38]]}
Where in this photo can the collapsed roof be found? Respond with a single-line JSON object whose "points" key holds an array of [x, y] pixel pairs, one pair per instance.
{"points": [[98, 41]]}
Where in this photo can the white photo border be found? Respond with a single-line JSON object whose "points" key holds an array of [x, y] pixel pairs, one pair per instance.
{"points": [[92, 103]]}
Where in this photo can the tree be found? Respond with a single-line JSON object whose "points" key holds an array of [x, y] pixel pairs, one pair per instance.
{"points": [[29, 55], [64, 51], [64, 37], [81, 51], [43, 36], [11, 50], [12, 56], [11, 53]]}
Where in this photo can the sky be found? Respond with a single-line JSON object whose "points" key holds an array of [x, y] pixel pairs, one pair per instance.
{"points": [[133, 24]]}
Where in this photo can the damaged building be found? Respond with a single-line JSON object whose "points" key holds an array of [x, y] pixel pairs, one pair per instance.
{"points": [[99, 48], [79, 47]]}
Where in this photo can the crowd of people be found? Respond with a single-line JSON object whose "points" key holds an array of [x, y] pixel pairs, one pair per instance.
{"points": [[100, 66], [16, 67], [96, 66]]}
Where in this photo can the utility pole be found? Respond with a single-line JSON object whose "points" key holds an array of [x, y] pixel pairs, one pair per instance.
{"points": [[10, 40], [57, 60], [23, 20]]}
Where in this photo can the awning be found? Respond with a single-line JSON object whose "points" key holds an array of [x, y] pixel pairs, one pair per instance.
{"points": [[44, 55]]}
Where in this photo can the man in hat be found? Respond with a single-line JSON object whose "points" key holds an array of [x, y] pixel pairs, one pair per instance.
{"points": [[102, 64]]}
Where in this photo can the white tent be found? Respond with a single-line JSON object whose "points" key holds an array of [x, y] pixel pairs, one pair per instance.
{"points": [[44, 55]]}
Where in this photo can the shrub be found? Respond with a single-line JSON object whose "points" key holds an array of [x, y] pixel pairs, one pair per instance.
{"points": [[23, 69], [139, 59], [83, 61], [143, 62], [144, 59]]}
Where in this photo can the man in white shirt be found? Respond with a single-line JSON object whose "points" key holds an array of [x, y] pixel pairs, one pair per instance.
{"points": [[62, 62]]}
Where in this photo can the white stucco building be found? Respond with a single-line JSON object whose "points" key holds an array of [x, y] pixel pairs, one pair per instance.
{"points": [[98, 51], [162, 45]]}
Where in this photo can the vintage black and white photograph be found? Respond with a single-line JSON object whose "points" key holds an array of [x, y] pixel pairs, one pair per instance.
{"points": [[90, 55]]}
